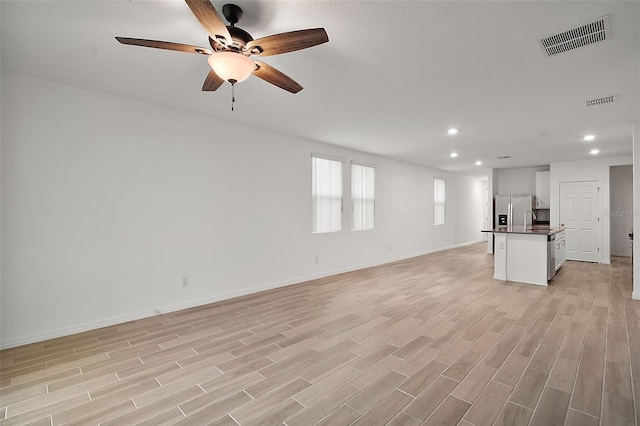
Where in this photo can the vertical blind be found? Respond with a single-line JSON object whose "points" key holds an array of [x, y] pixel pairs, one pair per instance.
{"points": [[438, 202], [363, 196], [327, 194]]}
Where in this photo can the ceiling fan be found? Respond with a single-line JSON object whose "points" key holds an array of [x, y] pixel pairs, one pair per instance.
{"points": [[231, 47]]}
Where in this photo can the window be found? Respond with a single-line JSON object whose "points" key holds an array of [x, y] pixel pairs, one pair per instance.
{"points": [[327, 194], [363, 197], [439, 205]]}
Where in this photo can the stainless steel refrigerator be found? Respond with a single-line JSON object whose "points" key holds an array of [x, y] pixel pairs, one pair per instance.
{"points": [[511, 209]]}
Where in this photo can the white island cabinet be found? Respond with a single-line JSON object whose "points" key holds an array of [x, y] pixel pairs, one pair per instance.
{"points": [[560, 249], [525, 254]]}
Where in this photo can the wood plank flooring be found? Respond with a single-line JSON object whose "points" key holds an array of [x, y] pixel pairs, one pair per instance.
{"points": [[432, 340]]}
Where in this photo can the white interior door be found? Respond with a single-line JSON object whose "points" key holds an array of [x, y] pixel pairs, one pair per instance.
{"points": [[579, 203]]}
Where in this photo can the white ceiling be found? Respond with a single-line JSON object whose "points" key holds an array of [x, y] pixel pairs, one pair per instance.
{"points": [[393, 78]]}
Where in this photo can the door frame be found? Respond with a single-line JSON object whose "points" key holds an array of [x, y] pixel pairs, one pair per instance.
{"points": [[599, 213]]}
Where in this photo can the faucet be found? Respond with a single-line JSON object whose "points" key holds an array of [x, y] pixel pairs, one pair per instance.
{"points": [[533, 217]]}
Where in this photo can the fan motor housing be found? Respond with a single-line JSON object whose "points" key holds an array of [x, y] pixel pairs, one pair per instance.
{"points": [[239, 36]]}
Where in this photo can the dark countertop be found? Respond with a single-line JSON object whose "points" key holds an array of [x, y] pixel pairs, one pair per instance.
{"points": [[536, 230]]}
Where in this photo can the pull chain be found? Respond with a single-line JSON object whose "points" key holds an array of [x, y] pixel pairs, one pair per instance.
{"points": [[233, 96]]}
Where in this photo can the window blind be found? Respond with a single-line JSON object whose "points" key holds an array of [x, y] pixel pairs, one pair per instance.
{"points": [[363, 192], [326, 195]]}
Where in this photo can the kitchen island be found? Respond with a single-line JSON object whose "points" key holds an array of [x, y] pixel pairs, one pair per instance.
{"points": [[527, 254]]}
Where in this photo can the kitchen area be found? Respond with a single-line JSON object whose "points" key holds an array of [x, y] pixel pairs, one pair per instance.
{"points": [[526, 247], [533, 226]]}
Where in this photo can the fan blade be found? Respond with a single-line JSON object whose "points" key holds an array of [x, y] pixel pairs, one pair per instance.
{"points": [[212, 82], [164, 45], [275, 77], [287, 42], [208, 17]]}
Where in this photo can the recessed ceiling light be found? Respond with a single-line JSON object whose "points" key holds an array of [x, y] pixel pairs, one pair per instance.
{"points": [[589, 138], [594, 151], [478, 163], [452, 131], [454, 154]]}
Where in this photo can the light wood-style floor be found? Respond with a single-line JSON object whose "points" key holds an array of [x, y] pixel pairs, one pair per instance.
{"points": [[432, 340]]}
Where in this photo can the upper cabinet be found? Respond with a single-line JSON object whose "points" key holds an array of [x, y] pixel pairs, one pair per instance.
{"points": [[543, 189]]}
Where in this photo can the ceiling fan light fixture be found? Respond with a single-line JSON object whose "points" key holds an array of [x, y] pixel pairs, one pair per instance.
{"points": [[231, 66]]}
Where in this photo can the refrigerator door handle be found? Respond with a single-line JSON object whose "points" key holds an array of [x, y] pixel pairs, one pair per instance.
{"points": [[510, 220]]}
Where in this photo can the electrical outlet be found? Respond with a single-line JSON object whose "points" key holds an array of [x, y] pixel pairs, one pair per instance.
{"points": [[185, 281], [317, 259], [389, 248]]}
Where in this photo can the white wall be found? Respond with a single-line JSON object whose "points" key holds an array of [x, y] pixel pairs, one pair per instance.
{"points": [[1, 243], [621, 213], [487, 200], [469, 208], [596, 169], [636, 210], [492, 187], [109, 202], [521, 180]]}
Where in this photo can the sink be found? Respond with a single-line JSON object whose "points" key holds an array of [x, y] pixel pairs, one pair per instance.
{"points": [[539, 228]]}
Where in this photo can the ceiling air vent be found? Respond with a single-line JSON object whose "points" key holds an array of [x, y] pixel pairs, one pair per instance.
{"points": [[504, 157], [600, 101], [582, 35]]}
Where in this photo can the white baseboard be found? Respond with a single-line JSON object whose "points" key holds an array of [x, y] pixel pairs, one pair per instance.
{"points": [[108, 322], [635, 295], [500, 277]]}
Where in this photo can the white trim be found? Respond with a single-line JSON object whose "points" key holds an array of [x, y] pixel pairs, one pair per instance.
{"points": [[635, 295], [500, 277], [360, 163], [33, 338], [329, 157], [600, 221]]}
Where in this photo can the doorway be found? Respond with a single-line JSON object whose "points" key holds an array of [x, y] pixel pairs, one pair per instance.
{"points": [[621, 209], [579, 207]]}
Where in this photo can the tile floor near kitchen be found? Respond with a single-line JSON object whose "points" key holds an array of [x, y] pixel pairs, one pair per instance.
{"points": [[431, 340]]}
